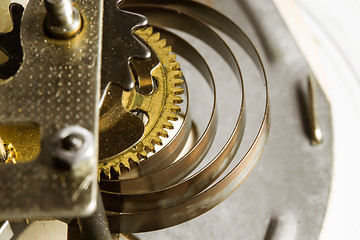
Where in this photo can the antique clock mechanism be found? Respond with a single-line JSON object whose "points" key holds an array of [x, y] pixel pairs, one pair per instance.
{"points": [[120, 117]]}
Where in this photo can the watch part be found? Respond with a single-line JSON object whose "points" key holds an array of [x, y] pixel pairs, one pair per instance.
{"points": [[120, 45], [159, 107], [10, 43]]}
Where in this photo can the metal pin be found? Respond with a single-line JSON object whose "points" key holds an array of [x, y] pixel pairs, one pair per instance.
{"points": [[96, 227], [316, 133], [2, 150], [63, 20]]}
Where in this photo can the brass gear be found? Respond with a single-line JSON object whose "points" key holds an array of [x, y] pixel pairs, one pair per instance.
{"points": [[159, 106], [8, 152]]}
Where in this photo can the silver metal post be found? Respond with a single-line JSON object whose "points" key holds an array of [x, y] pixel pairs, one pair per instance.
{"points": [[63, 20], [95, 227], [316, 133]]}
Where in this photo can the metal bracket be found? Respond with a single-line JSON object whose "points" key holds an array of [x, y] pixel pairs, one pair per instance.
{"points": [[57, 85]]}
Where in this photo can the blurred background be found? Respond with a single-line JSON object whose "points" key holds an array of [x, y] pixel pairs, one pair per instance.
{"points": [[331, 27]]}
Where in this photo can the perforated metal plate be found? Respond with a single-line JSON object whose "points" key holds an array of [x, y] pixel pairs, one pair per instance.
{"points": [[56, 86]]}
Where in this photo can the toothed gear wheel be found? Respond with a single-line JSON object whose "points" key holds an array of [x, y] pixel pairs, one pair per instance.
{"points": [[159, 106]]}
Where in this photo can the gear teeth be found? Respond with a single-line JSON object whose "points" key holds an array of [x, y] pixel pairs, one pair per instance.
{"points": [[134, 159], [168, 125], [117, 168], [143, 154], [154, 37], [167, 50], [126, 163], [144, 33], [172, 117], [178, 91], [156, 140], [147, 31], [175, 74], [172, 75], [171, 58], [172, 66], [175, 108], [178, 82], [150, 147], [141, 35], [140, 156], [161, 43], [163, 133], [106, 170], [177, 100]]}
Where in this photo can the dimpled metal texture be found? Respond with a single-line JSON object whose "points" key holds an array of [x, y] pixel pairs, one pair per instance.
{"points": [[56, 86]]}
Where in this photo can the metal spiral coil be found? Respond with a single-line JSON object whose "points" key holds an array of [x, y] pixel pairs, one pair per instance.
{"points": [[162, 192]]}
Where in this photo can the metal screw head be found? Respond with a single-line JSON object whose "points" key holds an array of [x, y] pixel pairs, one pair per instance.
{"points": [[72, 142], [72, 146]]}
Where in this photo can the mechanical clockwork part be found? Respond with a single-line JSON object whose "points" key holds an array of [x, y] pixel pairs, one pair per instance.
{"points": [[10, 44], [24, 139], [54, 76], [8, 152], [171, 195], [11, 154], [159, 106], [118, 30], [180, 191]]}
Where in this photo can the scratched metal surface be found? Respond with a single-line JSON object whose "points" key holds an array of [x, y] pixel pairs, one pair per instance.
{"points": [[56, 86]]}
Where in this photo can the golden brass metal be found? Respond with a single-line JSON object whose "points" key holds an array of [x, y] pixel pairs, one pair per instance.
{"points": [[11, 154], [159, 106], [21, 142], [7, 152], [143, 68], [119, 129]]}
